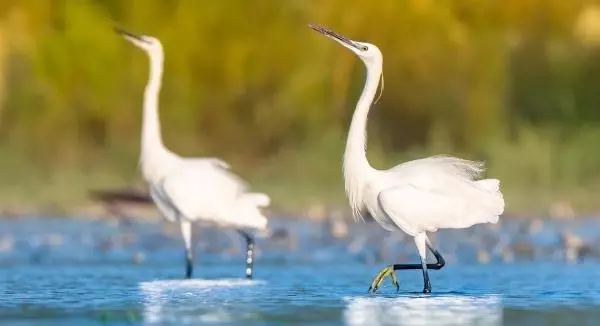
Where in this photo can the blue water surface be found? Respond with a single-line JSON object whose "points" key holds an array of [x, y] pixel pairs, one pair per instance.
{"points": [[71, 272]]}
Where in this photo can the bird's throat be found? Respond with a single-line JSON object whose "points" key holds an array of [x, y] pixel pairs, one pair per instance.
{"points": [[151, 133]]}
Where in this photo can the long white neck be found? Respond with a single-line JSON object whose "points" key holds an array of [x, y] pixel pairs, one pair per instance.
{"points": [[356, 164], [151, 137], [355, 157]]}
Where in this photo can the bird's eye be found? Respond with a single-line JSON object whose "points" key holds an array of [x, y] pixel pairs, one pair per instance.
{"points": [[365, 48]]}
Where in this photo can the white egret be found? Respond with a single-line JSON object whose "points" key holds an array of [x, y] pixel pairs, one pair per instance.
{"points": [[188, 190], [416, 197]]}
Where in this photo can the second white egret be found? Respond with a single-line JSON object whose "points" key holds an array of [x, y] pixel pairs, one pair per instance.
{"points": [[188, 190], [416, 197]]}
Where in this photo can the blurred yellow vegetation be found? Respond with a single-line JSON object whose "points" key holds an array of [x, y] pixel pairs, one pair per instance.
{"points": [[514, 82]]}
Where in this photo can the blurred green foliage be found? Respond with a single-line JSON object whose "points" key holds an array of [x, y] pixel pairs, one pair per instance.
{"points": [[513, 81]]}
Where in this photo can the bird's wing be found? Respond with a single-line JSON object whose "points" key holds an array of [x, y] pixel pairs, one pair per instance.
{"points": [[412, 209], [220, 165], [164, 207], [201, 189], [449, 203]]}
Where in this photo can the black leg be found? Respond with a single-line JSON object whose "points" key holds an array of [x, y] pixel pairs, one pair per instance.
{"points": [[439, 264], [389, 271], [249, 253], [426, 283], [189, 263], [186, 232]]}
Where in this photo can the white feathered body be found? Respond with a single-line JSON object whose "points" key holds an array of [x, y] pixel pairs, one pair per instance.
{"points": [[426, 195], [202, 190]]}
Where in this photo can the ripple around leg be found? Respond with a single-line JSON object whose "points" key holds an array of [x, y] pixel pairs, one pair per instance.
{"points": [[424, 310]]}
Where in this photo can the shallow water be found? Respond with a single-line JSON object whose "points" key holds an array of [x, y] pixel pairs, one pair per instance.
{"points": [[72, 282], [320, 294]]}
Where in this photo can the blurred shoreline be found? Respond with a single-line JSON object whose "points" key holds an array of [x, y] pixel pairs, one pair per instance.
{"points": [[303, 181], [148, 212]]}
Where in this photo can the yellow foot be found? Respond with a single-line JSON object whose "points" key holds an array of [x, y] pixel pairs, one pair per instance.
{"points": [[387, 271]]}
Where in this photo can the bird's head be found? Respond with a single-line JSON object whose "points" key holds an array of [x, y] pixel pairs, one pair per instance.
{"points": [[147, 43], [367, 52]]}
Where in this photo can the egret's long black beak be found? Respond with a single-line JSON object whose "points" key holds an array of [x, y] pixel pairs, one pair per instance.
{"points": [[331, 34], [128, 34]]}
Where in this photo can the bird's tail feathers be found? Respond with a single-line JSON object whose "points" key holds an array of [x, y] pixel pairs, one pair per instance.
{"points": [[251, 216], [258, 199], [485, 204], [491, 185], [492, 200], [247, 212]]}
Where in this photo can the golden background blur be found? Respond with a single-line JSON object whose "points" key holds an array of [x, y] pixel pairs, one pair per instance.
{"points": [[513, 82]]}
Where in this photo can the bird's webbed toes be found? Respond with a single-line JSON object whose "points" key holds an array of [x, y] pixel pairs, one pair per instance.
{"points": [[378, 279]]}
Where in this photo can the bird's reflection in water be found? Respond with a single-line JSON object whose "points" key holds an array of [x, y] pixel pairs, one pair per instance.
{"points": [[194, 301], [439, 310]]}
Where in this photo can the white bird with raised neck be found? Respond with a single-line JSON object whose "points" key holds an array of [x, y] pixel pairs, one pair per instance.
{"points": [[416, 197], [188, 190]]}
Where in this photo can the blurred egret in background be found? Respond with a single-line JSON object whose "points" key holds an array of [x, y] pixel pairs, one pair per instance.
{"points": [[188, 190], [416, 197]]}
